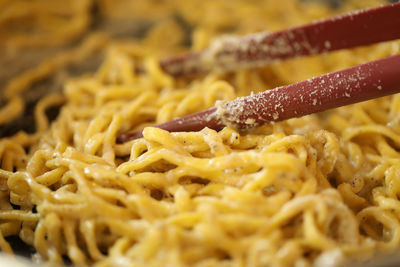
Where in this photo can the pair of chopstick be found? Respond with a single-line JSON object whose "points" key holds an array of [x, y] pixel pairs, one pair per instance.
{"points": [[363, 82]]}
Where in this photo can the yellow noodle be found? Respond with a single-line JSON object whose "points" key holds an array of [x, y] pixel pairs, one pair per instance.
{"points": [[317, 190]]}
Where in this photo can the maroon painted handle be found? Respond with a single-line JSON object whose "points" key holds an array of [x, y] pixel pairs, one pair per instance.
{"points": [[345, 31], [363, 82]]}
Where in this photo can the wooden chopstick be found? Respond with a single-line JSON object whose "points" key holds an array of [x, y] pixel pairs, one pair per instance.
{"points": [[231, 53], [363, 82]]}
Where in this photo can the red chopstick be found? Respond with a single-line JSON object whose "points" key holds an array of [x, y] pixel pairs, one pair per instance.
{"points": [[363, 82], [358, 28]]}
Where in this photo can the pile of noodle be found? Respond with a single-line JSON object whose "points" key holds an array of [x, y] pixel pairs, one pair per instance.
{"points": [[316, 190]]}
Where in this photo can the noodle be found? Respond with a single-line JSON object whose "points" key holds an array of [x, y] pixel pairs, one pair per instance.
{"points": [[317, 190]]}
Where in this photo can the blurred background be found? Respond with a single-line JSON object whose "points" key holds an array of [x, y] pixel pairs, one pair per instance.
{"points": [[43, 42]]}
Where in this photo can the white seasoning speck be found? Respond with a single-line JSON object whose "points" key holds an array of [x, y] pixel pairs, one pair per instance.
{"points": [[250, 121], [327, 44]]}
